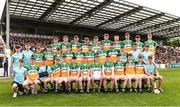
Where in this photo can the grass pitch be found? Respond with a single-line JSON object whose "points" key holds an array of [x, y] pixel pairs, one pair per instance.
{"points": [[170, 97]]}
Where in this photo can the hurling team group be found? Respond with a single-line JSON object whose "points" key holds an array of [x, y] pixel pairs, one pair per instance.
{"points": [[88, 66]]}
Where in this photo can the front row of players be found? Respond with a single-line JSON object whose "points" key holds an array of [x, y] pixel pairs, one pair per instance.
{"points": [[127, 76]]}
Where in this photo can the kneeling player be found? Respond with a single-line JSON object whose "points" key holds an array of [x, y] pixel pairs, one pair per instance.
{"points": [[85, 74], [108, 73], [131, 74], [19, 75], [119, 74], [32, 78]]}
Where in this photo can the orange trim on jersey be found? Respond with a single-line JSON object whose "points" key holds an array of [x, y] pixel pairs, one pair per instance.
{"points": [[118, 72], [139, 70], [90, 61], [102, 59], [79, 60], [74, 74], [108, 73], [49, 62], [64, 73], [152, 50], [85, 49], [106, 48], [130, 70], [63, 50], [56, 74], [127, 49], [74, 49], [38, 63], [113, 58], [68, 60], [32, 76]]}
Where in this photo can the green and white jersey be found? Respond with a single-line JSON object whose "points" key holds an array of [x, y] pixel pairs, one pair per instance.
{"points": [[117, 45], [95, 47], [89, 54], [124, 56], [106, 44], [151, 43], [102, 53], [119, 65], [68, 54], [64, 66], [140, 45], [55, 46], [59, 57], [84, 68], [48, 56], [74, 46], [79, 55], [127, 45], [32, 69], [84, 47], [55, 68], [108, 68], [113, 52], [38, 56], [64, 46], [97, 69]]}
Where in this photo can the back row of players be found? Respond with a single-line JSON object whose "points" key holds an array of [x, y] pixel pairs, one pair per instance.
{"points": [[105, 60]]}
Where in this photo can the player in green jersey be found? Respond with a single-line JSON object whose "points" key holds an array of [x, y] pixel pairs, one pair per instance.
{"points": [[75, 44], [108, 73], [56, 44], [74, 73], [127, 43], [140, 45], [96, 44], [32, 77], [84, 45], [68, 55], [85, 74], [58, 56], [90, 55], [79, 56], [117, 44], [152, 44], [119, 74], [55, 74], [39, 57], [48, 56], [131, 73], [106, 42], [64, 44], [123, 54], [102, 55]]}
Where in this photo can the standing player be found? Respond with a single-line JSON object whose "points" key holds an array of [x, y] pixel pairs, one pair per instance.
{"points": [[119, 73], [32, 78], [27, 54], [84, 45], [90, 55], [146, 53], [85, 74], [75, 44], [58, 56], [64, 44], [152, 71], [152, 44], [131, 73], [127, 43], [123, 54], [16, 57], [96, 44], [135, 53], [102, 55], [106, 42], [38, 57], [79, 56], [117, 43], [56, 44], [49, 56], [108, 73], [74, 72], [139, 43], [97, 73], [19, 76], [68, 55]]}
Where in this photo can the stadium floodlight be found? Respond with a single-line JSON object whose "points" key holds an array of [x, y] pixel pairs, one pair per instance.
{"points": [[84, 0], [33, 0], [100, 0]]}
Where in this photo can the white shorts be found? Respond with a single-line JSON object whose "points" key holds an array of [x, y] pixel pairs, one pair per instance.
{"points": [[108, 77], [141, 75], [131, 76], [54, 80], [74, 78], [64, 79], [96, 77], [119, 77], [27, 82]]}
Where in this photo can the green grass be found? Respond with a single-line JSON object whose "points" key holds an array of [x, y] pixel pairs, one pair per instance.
{"points": [[170, 97]]}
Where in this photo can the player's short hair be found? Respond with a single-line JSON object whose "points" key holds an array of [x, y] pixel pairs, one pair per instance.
{"points": [[76, 36], [21, 61], [146, 46], [137, 36], [32, 58], [129, 54], [122, 46], [96, 37], [74, 57], [150, 57], [127, 34], [48, 46], [106, 34], [58, 49], [17, 47], [108, 56], [118, 55]]}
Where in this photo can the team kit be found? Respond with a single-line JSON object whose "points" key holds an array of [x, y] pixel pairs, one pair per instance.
{"points": [[102, 66]]}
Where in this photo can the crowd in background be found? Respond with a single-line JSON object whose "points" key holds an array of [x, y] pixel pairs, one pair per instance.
{"points": [[164, 54]]}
